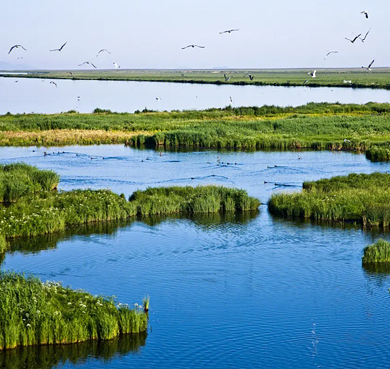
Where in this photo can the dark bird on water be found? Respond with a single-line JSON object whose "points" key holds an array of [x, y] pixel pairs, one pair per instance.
{"points": [[60, 49], [100, 51], [87, 62], [354, 39], [185, 47], [365, 36], [229, 31], [369, 65], [16, 47]]}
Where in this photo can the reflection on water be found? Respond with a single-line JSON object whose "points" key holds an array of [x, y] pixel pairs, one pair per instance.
{"points": [[42, 357]]}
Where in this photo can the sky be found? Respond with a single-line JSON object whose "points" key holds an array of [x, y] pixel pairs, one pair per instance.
{"points": [[150, 33]]}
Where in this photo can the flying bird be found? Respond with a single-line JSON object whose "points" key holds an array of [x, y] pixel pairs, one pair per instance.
{"points": [[365, 12], [100, 51], [330, 52], [116, 65], [53, 83], [229, 31], [369, 65], [185, 47], [226, 77], [365, 36], [87, 62], [60, 49], [354, 39], [16, 47], [250, 76], [313, 74]]}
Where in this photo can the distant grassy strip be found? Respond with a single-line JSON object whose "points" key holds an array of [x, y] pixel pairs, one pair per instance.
{"points": [[312, 126], [36, 313], [17, 180], [51, 212], [354, 78], [361, 198], [379, 252]]}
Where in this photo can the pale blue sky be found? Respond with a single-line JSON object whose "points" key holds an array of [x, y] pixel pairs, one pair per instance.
{"points": [[150, 33]]}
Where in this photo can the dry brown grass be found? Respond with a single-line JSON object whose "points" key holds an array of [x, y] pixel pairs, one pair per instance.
{"points": [[66, 137]]}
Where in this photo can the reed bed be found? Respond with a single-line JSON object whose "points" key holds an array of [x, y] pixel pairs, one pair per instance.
{"points": [[359, 198], [46, 213], [17, 180], [379, 252], [378, 153], [36, 313], [313, 126]]}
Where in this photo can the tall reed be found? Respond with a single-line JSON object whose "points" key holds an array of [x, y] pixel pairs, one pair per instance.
{"points": [[379, 252]]}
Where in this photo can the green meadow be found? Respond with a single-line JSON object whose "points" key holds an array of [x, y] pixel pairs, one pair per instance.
{"points": [[360, 198], [342, 77], [314, 126]]}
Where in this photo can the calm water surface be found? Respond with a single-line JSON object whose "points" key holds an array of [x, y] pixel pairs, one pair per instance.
{"points": [[26, 95], [253, 292]]}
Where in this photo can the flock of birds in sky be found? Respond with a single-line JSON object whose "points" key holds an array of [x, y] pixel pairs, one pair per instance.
{"points": [[193, 46]]}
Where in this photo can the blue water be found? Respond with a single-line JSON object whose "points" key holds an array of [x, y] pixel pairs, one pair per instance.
{"points": [[263, 292]]}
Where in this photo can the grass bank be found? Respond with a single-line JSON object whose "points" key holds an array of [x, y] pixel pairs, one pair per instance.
{"points": [[36, 313], [52, 212], [343, 77], [360, 198], [379, 252], [312, 126], [17, 180]]}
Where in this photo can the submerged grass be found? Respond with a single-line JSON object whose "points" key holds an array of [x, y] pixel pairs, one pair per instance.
{"points": [[361, 198], [32, 312], [45, 213], [312, 126], [379, 252], [17, 180]]}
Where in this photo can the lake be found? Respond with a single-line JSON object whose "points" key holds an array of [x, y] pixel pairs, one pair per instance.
{"points": [[226, 291], [27, 95]]}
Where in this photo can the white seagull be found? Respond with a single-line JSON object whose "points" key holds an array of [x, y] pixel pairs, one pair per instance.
{"points": [[354, 39], [16, 47], [100, 51], [87, 62], [116, 65], [365, 36], [185, 47], [60, 49], [365, 12], [313, 74], [229, 31], [369, 65]]}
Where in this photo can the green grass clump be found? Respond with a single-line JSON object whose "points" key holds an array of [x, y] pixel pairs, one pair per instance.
{"points": [[361, 198], [378, 153], [202, 199], [3, 243], [47, 212], [32, 313], [17, 180], [379, 252]]}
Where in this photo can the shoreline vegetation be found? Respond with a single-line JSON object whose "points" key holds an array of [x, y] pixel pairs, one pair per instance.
{"points": [[357, 198], [342, 77], [37, 313], [315, 126], [379, 252]]}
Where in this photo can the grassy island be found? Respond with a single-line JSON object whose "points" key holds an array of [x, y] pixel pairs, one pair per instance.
{"points": [[17, 180], [379, 252], [32, 313], [326, 77], [319, 126], [360, 198]]}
